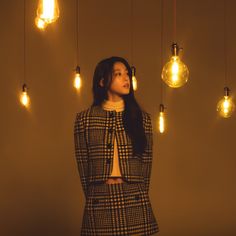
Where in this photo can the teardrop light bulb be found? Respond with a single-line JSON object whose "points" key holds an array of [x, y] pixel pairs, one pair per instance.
{"points": [[134, 80], [24, 98], [161, 119], [77, 79]]}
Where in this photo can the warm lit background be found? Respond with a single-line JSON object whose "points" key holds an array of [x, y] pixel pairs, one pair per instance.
{"points": [[193, 176]]}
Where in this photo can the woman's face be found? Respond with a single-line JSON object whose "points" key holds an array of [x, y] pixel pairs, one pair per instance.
{"points": [[120, 83]]}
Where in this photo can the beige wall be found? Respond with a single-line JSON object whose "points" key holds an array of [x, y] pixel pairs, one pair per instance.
{"points": [[193, 176]]}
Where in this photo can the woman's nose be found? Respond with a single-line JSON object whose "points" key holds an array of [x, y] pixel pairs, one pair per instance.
{"points": [[126, 77]]}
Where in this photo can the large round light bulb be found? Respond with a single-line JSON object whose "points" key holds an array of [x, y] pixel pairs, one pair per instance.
{"points": [[175, 73]]}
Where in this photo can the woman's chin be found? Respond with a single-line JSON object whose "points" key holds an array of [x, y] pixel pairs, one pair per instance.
{"points": [[126, 91]]}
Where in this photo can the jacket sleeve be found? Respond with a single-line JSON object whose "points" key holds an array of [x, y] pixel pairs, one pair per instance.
{"points": [[147, 156], [81, 151]]}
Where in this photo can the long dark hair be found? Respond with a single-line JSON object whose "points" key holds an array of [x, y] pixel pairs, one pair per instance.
{"points": [[132, 116]]}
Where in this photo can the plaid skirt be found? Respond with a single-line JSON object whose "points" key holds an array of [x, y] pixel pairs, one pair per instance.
{"points": [[118, 209]]}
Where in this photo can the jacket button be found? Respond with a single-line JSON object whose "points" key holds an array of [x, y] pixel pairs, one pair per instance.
{"points": [[109, 145], [95, 201], [110, 130], [111, 114], [108, 161], [136, 197]]}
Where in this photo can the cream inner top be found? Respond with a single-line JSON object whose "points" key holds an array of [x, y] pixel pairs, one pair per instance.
{"points": [[118, 106]]}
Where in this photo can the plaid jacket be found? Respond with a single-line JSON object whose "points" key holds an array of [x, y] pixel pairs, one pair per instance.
{"points": [[94, 133]]}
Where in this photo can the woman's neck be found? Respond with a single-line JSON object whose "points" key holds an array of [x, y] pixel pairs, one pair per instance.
{"points": [[113, 105], [113, 97]]}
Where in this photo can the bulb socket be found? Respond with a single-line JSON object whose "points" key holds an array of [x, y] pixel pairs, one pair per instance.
{"points": [[133, 69], [77, 69], [175, 49], [24, 88], [161, 108], [226, 91]]}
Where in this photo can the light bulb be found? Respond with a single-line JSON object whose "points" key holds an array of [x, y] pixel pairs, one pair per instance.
{"points": [[24, 98], [48, 10], [225, 107], [77, 79], [40, 23], [161, 119], [134, 80], [175, 73]]}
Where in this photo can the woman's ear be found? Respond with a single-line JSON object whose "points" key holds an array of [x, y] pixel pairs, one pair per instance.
{"points": [[101, 82]]}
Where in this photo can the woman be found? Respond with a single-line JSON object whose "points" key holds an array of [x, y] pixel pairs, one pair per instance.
{"points": [[113, 148]]}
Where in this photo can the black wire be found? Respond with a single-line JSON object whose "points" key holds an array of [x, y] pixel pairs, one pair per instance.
{"points": [[175, 37], [225, 43], [132, 25], [162, 9], [24, 50], [77, 32]]}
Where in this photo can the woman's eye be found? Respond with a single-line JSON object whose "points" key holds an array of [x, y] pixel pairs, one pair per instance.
{"points": [[120, 74]]}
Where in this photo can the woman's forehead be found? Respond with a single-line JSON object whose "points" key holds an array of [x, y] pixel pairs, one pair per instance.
{"points": [[119, 66]]}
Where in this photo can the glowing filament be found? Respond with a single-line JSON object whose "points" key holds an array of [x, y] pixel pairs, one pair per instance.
{"points": [[134, 82], [77, 81]]}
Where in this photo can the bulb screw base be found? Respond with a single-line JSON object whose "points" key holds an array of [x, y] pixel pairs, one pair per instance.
{"points": [[161, 108], [226, 91], [175, 49], [77, 69], [133, 70], [24, 88]]}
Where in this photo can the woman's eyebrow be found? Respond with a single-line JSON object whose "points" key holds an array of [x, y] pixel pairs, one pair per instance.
{"points": [[119, 70]]}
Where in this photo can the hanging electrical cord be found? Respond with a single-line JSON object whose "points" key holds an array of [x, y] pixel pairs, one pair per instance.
{"points": [[162, 26], [24, 97], [175, 73], [77, 32], [132, 31], [77, 78], [225, 107], [175, 20], [133, 68], [161, 119], [225, 47]]}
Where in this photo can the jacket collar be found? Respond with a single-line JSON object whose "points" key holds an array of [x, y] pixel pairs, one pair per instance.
{"points": [[98, 109]]}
